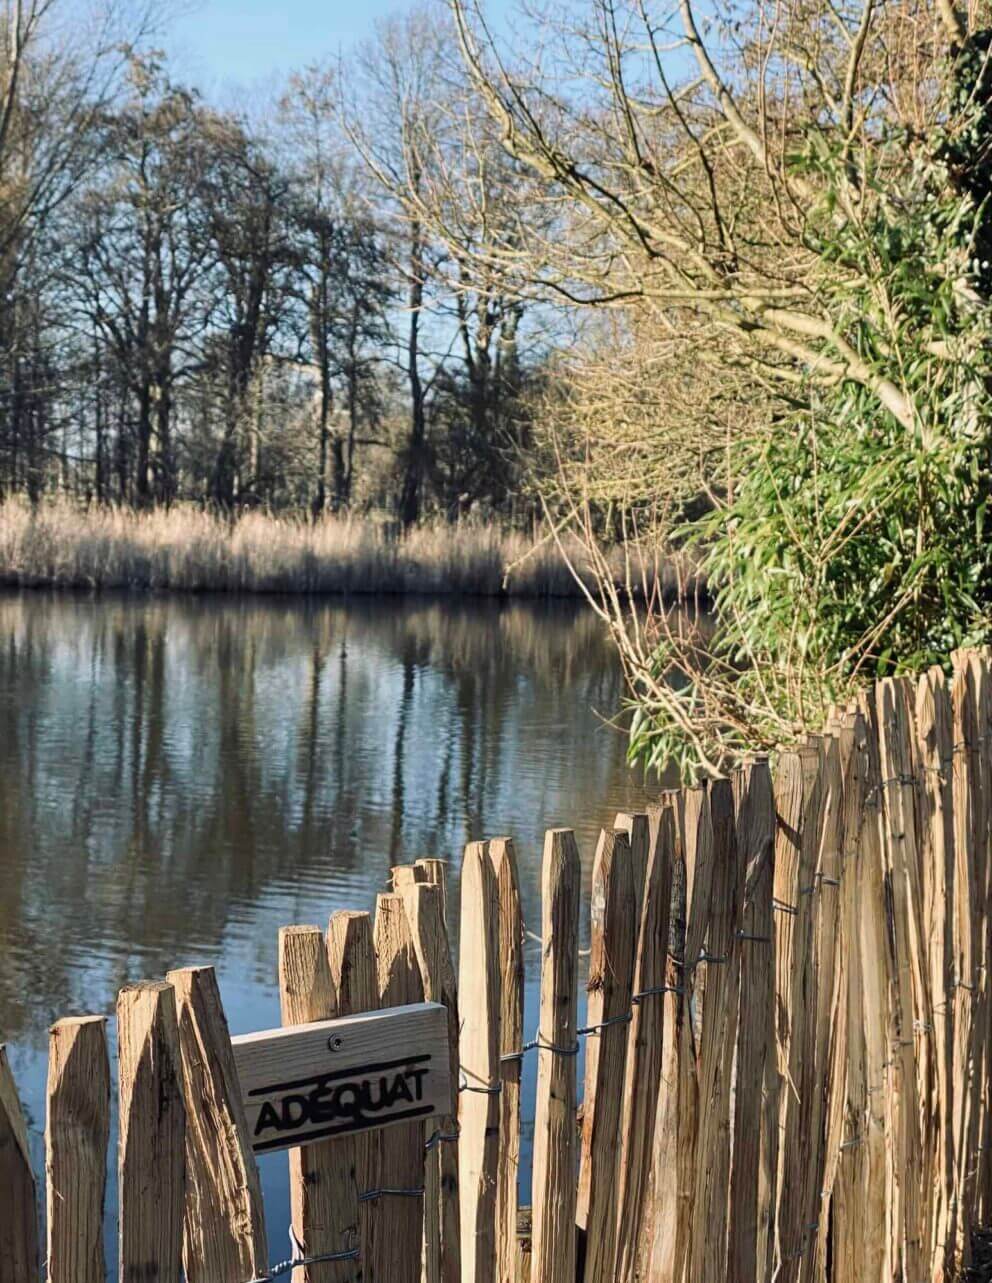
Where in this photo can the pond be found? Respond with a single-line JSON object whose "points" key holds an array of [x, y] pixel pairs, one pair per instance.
{"points": [[179, 777]]}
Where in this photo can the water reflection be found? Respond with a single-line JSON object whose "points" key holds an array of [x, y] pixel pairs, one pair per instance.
{"points": [[179, 777]]}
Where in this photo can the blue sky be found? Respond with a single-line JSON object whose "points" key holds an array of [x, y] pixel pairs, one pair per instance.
{"points": [[224, 44]]}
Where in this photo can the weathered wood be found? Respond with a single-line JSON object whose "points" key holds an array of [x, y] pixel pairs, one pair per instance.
{"points": [[77, 1132], [638, 831], [753, 1176], [659, 1231], [224, 1234], [510, 956], [478, 1106], [847, 1146], [796, 987], [19, 1222], [708, 1249], [553, 1259], [913, 1016], [935, 739], [152, 1135], [351, 955], [982, 998], [611, 974], [433, 871], [442, 1228], [303, 1083], [398, 1218], [323, 1197], [644, 1055]]}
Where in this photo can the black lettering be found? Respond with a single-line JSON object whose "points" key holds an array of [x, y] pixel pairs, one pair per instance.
{"points": [[418, 1076], [267, 1117], [289, 1119], [401, 1089], [348, 1101]]}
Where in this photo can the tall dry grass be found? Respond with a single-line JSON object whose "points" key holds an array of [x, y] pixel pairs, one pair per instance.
{"points": [[184, 548]]}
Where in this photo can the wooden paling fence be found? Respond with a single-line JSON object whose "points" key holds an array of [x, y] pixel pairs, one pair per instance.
{"points": [[787, 1030]]}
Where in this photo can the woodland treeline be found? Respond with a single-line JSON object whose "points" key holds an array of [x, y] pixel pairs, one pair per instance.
{"points": [[227, 305]]}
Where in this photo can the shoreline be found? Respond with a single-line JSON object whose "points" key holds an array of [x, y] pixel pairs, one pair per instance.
{"points": [[60, 546]]}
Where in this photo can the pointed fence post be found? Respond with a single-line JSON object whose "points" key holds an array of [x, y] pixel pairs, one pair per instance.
{"points": [[645, 1050], [611, 974], [753, 1178], [77, 1132], [554, 1195], [442, 1228], [397, 1217], [152, 1134], [322, 1191], [19, 1222], [510, 955], [351, 954], [478, 1105]]}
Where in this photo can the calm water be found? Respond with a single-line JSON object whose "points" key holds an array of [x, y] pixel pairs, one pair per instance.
{"points": [[180, 777]]}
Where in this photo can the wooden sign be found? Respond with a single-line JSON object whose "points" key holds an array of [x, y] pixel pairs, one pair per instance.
{"points": [[302, 1083]]}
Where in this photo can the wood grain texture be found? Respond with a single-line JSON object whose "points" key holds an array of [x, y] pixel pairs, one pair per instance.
{"points": [[323, 1196], [77, 1132], [708, 1249], [351, 954], [510, 957], [610, 984], [645, 1041], [912, 1007], [442, 1226], [553, 1259], [397, 1220], [19, 1222], [151, 1177], [282, 1070], [753, 1176], [479, 1101]]}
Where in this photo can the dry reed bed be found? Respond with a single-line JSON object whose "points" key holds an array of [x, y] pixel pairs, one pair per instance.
{"points": [[59, 544]]}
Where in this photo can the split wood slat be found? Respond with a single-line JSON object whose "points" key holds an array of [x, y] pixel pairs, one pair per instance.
{"points": [[788, 789], [912, 1000], [753, 1177], [151, 1179], [478, 1105], [878, 999], [851, 1102], [77, 1132], [635, 825], [224, 1234], [708, 1248], [982, 997], [797, 990], [670, 1254], [19, 1223], [433, 871], [323, 1197], [935, 741], [553, 1256], [442, 1228], [817, 1049], [397, 1219], [644, 1054], [510, 956], [351, 956], [611, 974], [659, 1227]]}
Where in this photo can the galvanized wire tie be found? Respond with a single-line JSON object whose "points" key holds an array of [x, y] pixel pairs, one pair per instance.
{"points": [[299, 1258], [371, 1194]]}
